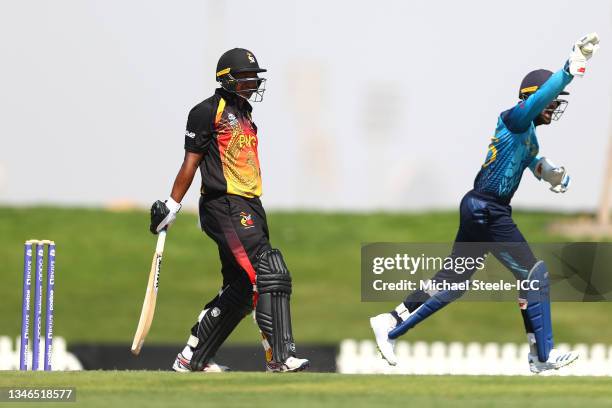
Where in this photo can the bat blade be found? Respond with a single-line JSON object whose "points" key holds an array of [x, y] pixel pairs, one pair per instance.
{"points": [[148, 306]]}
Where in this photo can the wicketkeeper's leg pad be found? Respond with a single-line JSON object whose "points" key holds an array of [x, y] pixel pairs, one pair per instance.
{"points": [[273, 314], [537, 309]]}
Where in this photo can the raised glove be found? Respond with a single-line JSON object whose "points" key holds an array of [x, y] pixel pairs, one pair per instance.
{"points": [[557, 176], [163, 214], [582, 51]]}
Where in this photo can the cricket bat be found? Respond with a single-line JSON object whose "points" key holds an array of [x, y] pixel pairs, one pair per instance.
{"points": [[148, 306]]}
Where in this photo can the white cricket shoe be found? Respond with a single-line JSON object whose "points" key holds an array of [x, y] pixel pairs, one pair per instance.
{"points": [[291, 365], [556, 360], [382, 325], [182, 365]]}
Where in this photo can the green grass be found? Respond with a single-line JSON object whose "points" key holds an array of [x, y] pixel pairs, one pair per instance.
{"points": [[165, 389], [103, 259]]}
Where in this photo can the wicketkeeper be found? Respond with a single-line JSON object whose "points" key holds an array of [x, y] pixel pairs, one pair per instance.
{"points": [[221, 140], [486, 215]]}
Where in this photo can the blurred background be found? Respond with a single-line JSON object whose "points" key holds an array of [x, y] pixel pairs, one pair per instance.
{"points": [[375, 121], [369, 106]]}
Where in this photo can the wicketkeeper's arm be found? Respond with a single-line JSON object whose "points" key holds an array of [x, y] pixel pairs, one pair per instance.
{"points": [[519, 118]]}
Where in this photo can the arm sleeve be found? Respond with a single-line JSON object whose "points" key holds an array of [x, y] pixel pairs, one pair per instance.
{"points": [[200, 128], [519, 118], [532, 165]]}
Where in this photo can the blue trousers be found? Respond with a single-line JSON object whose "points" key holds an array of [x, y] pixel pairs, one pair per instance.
{"points": [[488, 221]]}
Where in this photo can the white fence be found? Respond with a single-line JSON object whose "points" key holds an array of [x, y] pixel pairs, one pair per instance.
{"points": [[362, 357], [419, 358], [61, 359]]}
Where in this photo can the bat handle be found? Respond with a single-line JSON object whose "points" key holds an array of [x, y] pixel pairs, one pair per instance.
{"points": [[161, 240]]}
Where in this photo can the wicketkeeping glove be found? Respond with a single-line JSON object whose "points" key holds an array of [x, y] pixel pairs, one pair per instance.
{"points": [[582, 51], [557, 176], [163, 214]]}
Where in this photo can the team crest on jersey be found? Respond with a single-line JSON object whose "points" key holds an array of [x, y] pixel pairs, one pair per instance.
{"points": [[246, 220], [233, 121]]}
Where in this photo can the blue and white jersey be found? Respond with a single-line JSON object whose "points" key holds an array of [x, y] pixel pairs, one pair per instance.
{"points": [[514, 147]]}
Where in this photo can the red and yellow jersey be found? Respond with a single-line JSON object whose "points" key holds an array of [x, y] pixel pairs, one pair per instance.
{"points": [[222, 129]]}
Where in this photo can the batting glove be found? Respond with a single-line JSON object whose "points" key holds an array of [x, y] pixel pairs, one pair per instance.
{"points": [[163, 214], [582, 51], [557, 176]]}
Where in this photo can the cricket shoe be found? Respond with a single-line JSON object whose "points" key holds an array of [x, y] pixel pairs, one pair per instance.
{"points": [[556, 360], [291, 365], [382, 325], [182, 365]]}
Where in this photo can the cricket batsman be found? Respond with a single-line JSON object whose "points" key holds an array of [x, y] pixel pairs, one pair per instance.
{"points": [[221, 140], [486, 216]]}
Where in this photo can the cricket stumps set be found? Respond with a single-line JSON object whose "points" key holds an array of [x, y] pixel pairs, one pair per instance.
{"points": [[38, 301]]}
